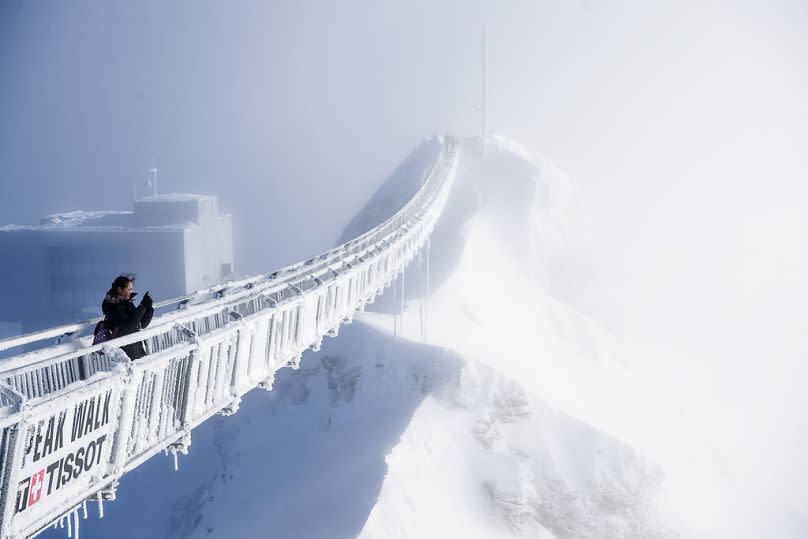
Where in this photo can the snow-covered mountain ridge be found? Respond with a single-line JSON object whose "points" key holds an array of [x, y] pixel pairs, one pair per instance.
{"points": [[476, 432], [506, 273]]}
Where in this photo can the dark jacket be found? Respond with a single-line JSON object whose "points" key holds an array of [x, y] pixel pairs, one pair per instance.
{"points": [[123, 318]]}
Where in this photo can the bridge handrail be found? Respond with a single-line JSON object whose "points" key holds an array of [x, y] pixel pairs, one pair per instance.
{"points": [[288, 272]]}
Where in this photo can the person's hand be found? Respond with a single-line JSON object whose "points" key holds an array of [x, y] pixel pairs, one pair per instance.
{"points": [[147, 300]]}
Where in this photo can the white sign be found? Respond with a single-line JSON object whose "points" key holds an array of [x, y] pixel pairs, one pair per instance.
{"points": [[63, 454]]}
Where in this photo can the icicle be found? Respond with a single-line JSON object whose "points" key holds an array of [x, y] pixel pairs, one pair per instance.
{"points": [[76, 517], [84, 506], [100, 505], [176, 462], [69, 525]]}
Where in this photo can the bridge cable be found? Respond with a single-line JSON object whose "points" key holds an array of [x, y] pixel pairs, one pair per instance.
{"points": [[395, 317], [401, 317], [421, 267], [426, 296]]}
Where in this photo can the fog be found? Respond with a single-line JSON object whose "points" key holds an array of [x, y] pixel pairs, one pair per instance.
{"points": [[684, 124]]}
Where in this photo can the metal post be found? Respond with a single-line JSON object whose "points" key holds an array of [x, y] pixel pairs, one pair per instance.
{"points": [[12, 471]]}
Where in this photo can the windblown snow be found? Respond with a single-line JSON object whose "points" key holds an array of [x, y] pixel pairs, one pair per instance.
{"points": [[471, 418]]}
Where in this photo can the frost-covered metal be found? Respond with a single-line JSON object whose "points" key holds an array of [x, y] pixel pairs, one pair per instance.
{"points": [[75, 417]]}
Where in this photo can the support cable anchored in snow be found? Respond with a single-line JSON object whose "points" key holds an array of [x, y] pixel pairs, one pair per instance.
{"points": [[203, 357], [395, 313], [421, 299], [426, 294], [401, 310]]}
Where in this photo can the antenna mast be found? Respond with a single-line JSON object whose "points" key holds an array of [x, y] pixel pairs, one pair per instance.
{"points": [[153, 176], [484, 107]]}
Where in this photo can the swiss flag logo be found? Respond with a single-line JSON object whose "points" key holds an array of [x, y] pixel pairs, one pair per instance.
{"points": [[35, 493]]}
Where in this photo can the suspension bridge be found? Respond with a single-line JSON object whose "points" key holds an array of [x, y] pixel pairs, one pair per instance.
{"points": [[76, 417]]}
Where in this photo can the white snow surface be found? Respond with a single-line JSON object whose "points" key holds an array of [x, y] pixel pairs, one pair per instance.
{"points": [[501, 425], [69, 220], [175, 197]]}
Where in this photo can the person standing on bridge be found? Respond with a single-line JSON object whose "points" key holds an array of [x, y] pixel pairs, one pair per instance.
{"points": [[121, 315]]}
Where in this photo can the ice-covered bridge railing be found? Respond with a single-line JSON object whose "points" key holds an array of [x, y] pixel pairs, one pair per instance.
{"points": [[75, 417]]}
